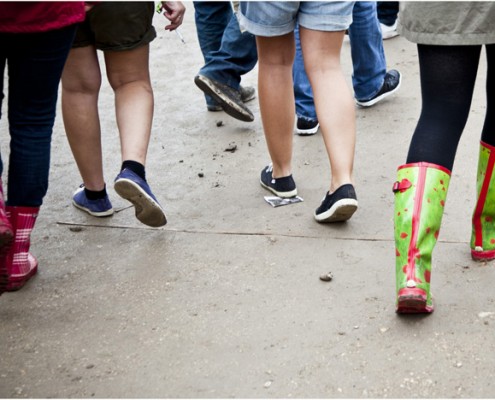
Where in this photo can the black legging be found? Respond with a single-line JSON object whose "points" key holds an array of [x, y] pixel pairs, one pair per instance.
{"points": [[448, 75]]}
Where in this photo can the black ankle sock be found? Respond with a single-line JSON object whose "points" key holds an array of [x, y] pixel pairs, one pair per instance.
{"points": [[135, 167], [96, 195]]}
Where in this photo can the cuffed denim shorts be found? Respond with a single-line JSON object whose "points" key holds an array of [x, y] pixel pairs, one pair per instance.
{"points": [[277, 18]]}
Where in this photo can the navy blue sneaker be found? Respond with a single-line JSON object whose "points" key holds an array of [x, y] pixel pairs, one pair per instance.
{"points": [[338, 206], [96, 208], [284, 187], [131, 187]]}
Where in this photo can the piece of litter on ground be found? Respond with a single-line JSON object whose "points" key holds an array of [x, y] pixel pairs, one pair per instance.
{"points": [[485, 314], [276, 201], [219, 123], [267, 384], [326, 277]]}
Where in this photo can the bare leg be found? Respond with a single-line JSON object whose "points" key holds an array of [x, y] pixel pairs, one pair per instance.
{"points": [[333, 101], [128, 74], [276, 97], [81, 81]]}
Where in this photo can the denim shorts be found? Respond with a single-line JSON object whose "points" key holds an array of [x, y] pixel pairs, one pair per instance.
{"points": [[117, 26], [277, 18]]}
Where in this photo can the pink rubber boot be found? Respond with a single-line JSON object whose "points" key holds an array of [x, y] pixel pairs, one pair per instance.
{"points": [[21, 265], [6, 236]]}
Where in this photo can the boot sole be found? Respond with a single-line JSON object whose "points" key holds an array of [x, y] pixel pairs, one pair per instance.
{"points": [[413, 303], [483, 255], [17, 282]]}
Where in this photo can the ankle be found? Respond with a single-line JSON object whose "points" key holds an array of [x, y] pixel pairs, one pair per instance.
{"points": [[96, 194], [135, 167]]}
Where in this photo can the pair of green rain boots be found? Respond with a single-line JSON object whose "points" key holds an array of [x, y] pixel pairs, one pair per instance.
{"points": [[420, 194]]}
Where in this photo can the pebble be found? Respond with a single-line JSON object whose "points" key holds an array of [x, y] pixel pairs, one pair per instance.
{"points": [[326, 277]]}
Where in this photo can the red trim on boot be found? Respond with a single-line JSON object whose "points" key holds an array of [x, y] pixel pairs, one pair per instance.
{"points": [[478, 241], [483, 255], [416, 217], [426, 165]]}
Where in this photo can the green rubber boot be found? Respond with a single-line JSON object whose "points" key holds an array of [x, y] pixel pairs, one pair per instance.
{"points": [[483, 231], [420, 193]]}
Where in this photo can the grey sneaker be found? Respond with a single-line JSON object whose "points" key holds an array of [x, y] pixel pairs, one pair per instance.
{"points": [[248, 93], [391, 84], [227, 97]]}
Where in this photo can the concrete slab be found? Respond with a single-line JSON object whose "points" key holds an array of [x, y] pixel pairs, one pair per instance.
{"points": [[225, 300]]}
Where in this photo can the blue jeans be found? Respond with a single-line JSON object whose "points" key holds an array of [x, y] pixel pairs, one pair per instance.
{"points": [[35, 63], [387, 12], [368, 60], [228, 52]]}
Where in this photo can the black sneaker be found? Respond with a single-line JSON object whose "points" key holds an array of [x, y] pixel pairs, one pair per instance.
{"points": [[306, 127], [227, 97], [391, 84], [282, 187], [338, 206]]}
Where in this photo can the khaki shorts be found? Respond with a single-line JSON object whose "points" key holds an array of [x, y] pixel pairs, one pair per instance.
{"points": [[116, 26]]}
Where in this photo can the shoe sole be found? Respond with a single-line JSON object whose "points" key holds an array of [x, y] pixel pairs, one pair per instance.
{"points": [[379, 98], [342, 210], [390, 35], [98, 214], [148, 211], [283, 195], [229, 106], [307, 132]]}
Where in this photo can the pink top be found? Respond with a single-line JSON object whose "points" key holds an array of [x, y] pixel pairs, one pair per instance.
{"points": [[31, 17]]}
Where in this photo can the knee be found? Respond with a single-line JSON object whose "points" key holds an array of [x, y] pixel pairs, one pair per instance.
{"points": [[82, 85], [120, 82]]}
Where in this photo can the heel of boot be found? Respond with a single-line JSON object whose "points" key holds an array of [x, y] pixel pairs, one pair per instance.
{"points": [[413, 301], [482, 255]]}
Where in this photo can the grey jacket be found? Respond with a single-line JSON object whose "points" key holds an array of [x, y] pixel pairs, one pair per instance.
{"points": [[448, 22]]}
